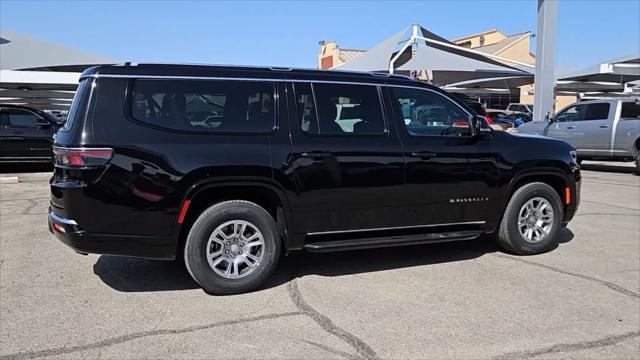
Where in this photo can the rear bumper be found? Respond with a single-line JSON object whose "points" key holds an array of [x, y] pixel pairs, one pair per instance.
{"points": [[70, 233]]}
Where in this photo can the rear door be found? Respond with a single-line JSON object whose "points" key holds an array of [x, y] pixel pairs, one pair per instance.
{"points": [[346, 159], [628, 129]]}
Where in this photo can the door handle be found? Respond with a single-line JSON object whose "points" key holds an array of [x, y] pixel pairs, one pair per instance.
{"points": [[571, 127], [604, 126], [424, 154], [316, 154]]}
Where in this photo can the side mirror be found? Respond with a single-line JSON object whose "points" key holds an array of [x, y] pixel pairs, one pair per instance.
{"points": [[480, 126], [41, 124], [548, 118]]}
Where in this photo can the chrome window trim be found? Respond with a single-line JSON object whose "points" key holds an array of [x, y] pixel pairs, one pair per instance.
{"points": [[62, 220], [222, 78], [395, 228]]}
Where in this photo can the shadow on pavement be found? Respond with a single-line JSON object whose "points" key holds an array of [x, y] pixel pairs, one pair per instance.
{"points": [[25, 168], [140, 275], [609, 168]]}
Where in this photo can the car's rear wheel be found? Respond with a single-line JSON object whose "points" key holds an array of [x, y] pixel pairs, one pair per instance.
{"points": [[232, 247], [638, 163], [531, 220]]}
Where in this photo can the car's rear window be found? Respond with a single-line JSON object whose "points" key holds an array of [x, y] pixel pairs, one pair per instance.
{"points": [[79, 104], [630, 110], [208, 106]]}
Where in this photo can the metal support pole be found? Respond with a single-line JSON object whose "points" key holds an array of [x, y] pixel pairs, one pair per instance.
{"points": [[545, 78]]}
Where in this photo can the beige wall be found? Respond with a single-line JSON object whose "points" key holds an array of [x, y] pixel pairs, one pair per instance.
{"points": [[328, 53]]}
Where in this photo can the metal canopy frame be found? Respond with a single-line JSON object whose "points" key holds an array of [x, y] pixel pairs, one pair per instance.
{"points": [[415, 37]]}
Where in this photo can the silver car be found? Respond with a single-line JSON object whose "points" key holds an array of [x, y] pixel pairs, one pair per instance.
{"points": [[607, 129]]}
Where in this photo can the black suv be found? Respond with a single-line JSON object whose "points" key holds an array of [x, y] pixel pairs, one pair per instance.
{"points": [[230, 167], [26, 134]]}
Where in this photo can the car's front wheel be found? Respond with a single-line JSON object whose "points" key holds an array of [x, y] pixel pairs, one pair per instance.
{"points": [[531, 220], [232, 247]]}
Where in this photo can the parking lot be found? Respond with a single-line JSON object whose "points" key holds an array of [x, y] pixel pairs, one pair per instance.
{"points": [[457, 300]]}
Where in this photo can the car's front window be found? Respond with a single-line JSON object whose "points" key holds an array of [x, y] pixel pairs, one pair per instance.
{"points": [[428, 114]]}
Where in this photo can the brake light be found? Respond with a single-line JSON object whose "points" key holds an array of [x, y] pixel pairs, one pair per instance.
{"points": [[81, 157], [59, 228], [488, 119]]}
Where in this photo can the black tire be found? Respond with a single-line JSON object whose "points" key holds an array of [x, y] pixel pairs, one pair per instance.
{"points": [[509, 236], [195, 257], [638, 163]]}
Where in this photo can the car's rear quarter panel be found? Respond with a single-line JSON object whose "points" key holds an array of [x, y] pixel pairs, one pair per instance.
{"points": [[141, 190]]}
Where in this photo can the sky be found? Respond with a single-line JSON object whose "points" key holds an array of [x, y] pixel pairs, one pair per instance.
{"points": [[286, 33]]}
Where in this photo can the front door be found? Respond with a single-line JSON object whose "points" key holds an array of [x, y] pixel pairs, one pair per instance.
{"points": [[451, 176], [25, 136], [586, 126], [346, 159]]}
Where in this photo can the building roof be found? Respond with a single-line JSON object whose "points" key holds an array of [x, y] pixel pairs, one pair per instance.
{"points": [[349, 54], [503, 44], [23, 52], [477, 34]]}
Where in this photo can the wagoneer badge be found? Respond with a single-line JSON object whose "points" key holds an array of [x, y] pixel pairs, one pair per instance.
{"points": [[467, 200]]}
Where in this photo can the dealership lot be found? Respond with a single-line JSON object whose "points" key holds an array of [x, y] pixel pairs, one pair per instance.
{"points": [[457, 300]]}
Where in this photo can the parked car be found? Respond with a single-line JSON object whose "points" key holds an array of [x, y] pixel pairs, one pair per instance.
{"points": [[502, 121], [26, 134], [515, 108], [277, 171], [607, 129]]}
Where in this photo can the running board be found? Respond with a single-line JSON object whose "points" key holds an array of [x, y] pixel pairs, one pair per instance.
{"points": [[377, 242]]}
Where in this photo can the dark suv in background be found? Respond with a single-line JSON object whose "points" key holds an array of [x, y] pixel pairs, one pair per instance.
{"points": [[26, 134], [229, 167]]}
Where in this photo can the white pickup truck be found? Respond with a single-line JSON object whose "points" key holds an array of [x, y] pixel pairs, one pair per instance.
{"points": [[607, 129]]}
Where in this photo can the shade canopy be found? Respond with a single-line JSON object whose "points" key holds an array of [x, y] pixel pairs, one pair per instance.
{"points": [[423, 50], [45, 90], [23, 52], [507, 82], [40, 74], [619, 70], [377, 58]]}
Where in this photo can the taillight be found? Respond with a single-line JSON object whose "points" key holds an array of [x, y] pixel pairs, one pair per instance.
{"points": [[488, 119], [81, 157]]}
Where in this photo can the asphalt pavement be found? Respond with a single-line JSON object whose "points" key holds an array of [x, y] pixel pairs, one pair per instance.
{"points": [[463, 300]]}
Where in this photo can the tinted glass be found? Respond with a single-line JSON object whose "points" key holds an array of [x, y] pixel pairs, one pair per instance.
{"points": [[307, 117], [630, 110], [213, 106], [347, 109], [429, 114], [573, 113], [79, 104], [597, 111], [21, 118]]}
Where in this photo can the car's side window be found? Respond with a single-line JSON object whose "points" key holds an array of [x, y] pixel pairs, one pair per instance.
{"points": [[572, 113], [19, 118], [307, 116], [426, 113], [211, 106], [597, 111], [339, 109], [630, 111]]}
